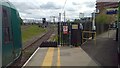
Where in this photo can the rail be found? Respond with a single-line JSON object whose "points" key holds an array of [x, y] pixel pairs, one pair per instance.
{"points": [[28, 50]]}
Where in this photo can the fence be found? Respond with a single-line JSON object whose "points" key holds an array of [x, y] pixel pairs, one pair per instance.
{"points": [[66, 39]]}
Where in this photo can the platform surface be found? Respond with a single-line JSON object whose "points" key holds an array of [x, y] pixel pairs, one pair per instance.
{"points": [[60, 56]]}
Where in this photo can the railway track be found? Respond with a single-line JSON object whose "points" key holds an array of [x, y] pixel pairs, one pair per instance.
{"points": [[28, 50], [41, 39]]}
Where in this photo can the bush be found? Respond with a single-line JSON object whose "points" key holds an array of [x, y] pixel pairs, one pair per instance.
{"points": [[103, 18]]}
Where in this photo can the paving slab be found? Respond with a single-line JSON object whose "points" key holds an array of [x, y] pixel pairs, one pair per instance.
{"points": [[38, 58], [75, 57]]}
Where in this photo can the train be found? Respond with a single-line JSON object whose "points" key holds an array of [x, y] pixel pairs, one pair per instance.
{"points": [[11, 33]]}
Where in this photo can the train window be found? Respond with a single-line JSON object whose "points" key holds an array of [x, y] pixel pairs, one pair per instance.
{"points": [[7, 35], [6, 26]]}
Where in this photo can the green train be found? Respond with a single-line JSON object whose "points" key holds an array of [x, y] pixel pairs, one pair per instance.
{"points": [[11, 33]]}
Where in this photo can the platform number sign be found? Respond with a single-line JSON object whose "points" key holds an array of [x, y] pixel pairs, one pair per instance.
{"points": [[65, 29]]}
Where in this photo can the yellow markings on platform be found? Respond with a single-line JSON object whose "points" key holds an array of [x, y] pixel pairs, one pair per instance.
{"points": [[58, 58], [48, 58]]}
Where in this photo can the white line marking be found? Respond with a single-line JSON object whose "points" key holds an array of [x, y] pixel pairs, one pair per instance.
{"points": [[90, 37], [86, 41], [31, 57]]}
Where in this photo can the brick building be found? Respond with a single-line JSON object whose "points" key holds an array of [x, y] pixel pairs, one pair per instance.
{"points": [[103, 5]]}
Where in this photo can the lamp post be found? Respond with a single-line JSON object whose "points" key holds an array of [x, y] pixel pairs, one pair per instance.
{"points": [[59, 28], [64, 17], [93, 22]]}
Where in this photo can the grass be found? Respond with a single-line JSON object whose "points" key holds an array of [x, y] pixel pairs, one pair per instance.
{"points": [[54, 38], [31, 31]]}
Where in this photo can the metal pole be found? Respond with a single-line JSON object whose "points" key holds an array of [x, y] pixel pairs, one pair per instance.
{"points": [[59, 17], [62, 30], [93, 23], [54, 19], [64, 16], [59, 28], [118, 33]]}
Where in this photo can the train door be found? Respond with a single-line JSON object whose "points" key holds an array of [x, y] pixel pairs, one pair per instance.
{"points": [[16, 31], [7, 47], [0, 36]]}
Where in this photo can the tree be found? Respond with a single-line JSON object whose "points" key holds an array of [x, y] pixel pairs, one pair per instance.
{"points": [[76, 21], [68, 21], [104, 18]]}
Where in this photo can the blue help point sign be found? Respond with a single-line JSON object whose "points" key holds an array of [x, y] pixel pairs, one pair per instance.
{"points": [[112, 11]]}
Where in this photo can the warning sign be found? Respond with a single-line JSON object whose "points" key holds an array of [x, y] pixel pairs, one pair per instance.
{"points": [[65, 29]]}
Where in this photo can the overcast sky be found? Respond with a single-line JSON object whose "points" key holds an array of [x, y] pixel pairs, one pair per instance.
{"points": [[37, 9]]}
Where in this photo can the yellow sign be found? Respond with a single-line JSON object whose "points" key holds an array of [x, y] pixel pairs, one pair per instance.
{"points": [[74, 26]]}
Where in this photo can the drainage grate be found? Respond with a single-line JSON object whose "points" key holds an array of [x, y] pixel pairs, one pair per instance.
{"points": [[48, 44]]}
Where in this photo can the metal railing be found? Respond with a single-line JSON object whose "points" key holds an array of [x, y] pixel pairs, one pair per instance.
{"points": [[89, 36]]}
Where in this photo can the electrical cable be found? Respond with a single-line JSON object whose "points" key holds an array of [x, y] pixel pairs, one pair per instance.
{"points": [[64, 6]]}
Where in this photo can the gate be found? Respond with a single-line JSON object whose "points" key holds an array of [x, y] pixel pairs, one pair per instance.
{"points": [[69, 34], [76, 34], [65, 28]]}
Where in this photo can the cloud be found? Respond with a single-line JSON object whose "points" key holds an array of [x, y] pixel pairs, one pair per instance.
{"points": [[89, 4], [71, 9], [38, 9], [87, 13], [26, 7], [75, 3], [50, 5]]}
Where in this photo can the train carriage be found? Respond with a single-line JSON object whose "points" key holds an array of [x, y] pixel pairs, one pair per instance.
{"points": [[11, 34]]}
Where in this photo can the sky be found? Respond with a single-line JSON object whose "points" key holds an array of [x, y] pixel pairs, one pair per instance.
{"points": [[37, 9]]}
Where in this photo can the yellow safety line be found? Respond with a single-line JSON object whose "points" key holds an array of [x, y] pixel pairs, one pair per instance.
{"points": [[58, 59], [48, 58]]}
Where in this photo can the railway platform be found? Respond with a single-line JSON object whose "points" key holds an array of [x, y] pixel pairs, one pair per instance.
{"points": [[60, 56], [104, 53]]}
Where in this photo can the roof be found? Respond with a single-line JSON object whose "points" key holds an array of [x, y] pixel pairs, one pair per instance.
{"points": [[7, 4]]}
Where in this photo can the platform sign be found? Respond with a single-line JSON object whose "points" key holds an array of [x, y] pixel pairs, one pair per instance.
{"points": [[65, 29], [112, 11], [74, 26]]}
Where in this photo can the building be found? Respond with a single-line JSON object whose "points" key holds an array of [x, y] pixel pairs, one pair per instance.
{"points": [[103, 5], [86, 19]]}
